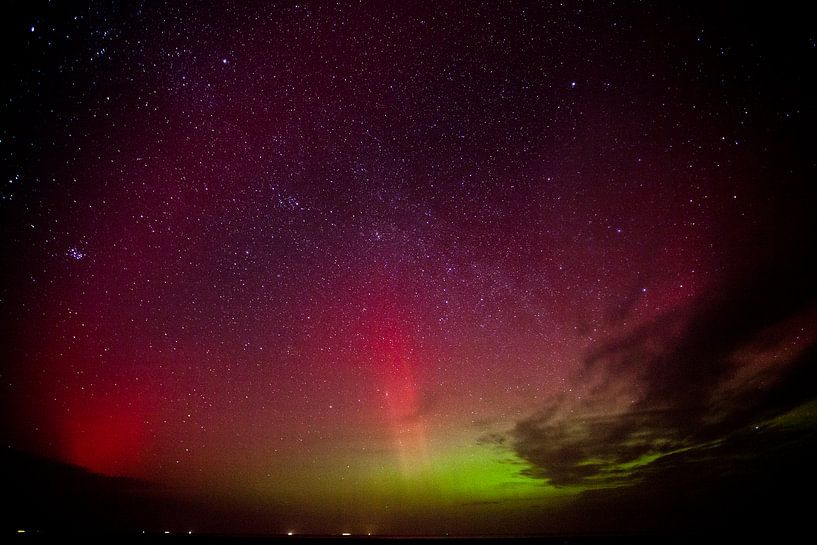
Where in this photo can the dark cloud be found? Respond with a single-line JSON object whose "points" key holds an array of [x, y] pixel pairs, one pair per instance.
{"points": [[45, 495], [751, 484], [676, 387], [49, 497]]}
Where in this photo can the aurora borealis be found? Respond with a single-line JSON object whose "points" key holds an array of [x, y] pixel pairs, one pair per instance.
{"points": [[417, 268]]}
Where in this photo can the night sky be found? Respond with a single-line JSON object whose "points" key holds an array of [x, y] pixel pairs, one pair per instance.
{"points": [[407, 267]]}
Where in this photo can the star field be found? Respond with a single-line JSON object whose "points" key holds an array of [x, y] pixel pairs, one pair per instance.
{"points": [[409, 267]]}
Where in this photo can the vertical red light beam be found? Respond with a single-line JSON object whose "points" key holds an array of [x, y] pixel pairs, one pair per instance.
{"points": [[394, 359]]}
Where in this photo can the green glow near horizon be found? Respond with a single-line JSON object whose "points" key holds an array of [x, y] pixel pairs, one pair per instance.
{"points": [[477, 473], [460, 472], [455, 471]]}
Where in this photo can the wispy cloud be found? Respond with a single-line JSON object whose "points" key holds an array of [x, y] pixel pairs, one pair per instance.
{"points": [[681, 388]]}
